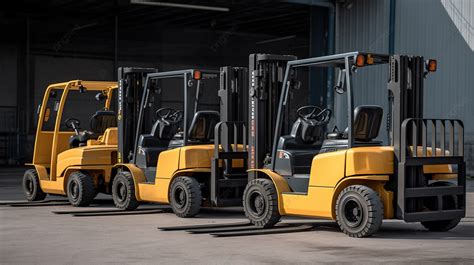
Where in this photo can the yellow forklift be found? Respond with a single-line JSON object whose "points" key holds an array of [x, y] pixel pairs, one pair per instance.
{"points": [[166, 155], [68, 160], [349, 175], [197, 157]]}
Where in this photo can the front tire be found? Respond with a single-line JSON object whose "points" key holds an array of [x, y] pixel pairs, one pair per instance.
{"points": [[80, 189], [261, 203], [359, 211], [31, 186], [185, 196], [123, 191]]}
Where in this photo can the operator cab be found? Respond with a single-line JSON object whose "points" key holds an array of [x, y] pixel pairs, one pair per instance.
{"points": [[298, 145], [170, 123], [297, 150], [99, 122]]}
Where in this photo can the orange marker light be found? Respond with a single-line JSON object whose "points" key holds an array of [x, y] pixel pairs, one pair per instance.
{"points": [[432, 65], [197, 75], [360, 60], [370, 59]]}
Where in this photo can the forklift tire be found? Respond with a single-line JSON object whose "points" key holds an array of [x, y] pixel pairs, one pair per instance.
{"points": [[123, 191], [359, 211], [80, 189], [185, 196], [449, 202], [31, 186], [261, 203]]}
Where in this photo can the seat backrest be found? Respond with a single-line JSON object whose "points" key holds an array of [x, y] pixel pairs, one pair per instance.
{"points": [[202, 125], [367, 121], [101, 120], [305, 131]]}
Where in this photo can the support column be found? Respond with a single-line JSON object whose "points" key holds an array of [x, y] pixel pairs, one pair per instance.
{"points": [[318, 47]]}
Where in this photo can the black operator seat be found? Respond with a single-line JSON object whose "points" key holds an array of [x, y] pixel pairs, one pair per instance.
{"points": [[303, 143], [152, 144], [201, 130], [202, 126], [102, 120], [99, 122], [367, 121]]}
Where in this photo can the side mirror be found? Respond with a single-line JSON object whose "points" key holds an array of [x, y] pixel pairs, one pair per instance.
{"points": [[297, 85], [53, 94], [82, 89], [341, 79], [100, 96]]}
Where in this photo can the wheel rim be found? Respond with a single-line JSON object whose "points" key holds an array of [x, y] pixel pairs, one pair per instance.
{"points": [[121, 192], [353, 212], [180, 197], [74, 190], [29, 186], [257, 204]]}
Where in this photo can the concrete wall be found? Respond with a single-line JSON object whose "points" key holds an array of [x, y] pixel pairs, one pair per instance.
{"points": [[434, 29]]}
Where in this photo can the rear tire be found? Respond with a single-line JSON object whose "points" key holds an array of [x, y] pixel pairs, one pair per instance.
{"points": [[123, 191], [359, 211], [261, 203], [31, 186], [185, 196], [448, 203], [80, 189]]}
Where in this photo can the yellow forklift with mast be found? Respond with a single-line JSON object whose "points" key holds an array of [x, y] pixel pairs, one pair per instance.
{"points": [[68, 160], [167, 159], [350, 176]]}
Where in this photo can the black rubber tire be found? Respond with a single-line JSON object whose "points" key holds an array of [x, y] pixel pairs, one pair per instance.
{"points": [[185, 196], [359, 211], [80, 189], [123, 191], [31, 186], [260, 202], [441, 225], [449, 203]]}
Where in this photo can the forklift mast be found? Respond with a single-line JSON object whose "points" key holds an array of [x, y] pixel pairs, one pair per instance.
{"points": [[266, 73], [419, 143], [227, 185], [130, 89]]}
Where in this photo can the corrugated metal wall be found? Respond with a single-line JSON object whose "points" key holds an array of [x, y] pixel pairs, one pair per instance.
{"points": [[363, 26], [440, 29]]}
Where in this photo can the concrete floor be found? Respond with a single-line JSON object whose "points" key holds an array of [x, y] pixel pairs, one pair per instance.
{"points": [[34, 235]]}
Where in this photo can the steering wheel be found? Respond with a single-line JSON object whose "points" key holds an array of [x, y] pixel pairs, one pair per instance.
{"points": [[314, 114], [73, 123], [169, 115]]}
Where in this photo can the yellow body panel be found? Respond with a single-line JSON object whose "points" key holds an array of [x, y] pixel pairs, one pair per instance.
{"points": [[171, 163], [168, 163], [327, 169], [137, 175], [369, 160], [315, 203], [53, 186], [196, 156], [86, 155], [281, 186]]}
